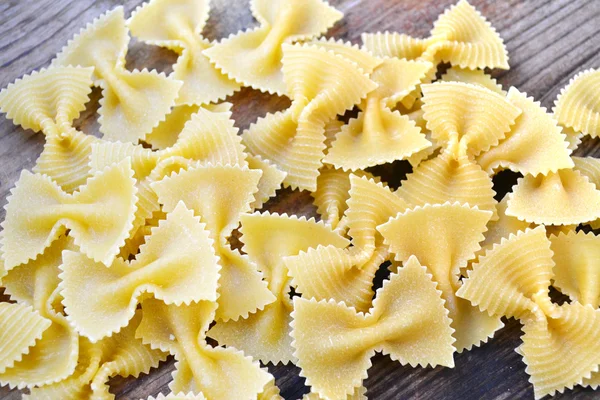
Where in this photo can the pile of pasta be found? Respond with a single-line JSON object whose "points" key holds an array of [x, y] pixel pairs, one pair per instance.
{"points": [[116, 250]]}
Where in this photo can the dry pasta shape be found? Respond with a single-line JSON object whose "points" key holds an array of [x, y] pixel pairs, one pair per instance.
{"points": [[472, 76], [335, 348], [331, 194], [100, 220], [352, 52], [217, 372], [294, 139], [220, 195], [268, 238], [360, 393], [178, 26], [178, 396], [589, 167], [254, 57], [578, 104], [270, 391], [461, 229], [133, 103], [119, 355], [558, 347], [535, 144], [566, 197], [177, 264]]}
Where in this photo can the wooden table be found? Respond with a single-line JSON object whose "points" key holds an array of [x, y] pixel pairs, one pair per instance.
{"points": [[548, 42]]}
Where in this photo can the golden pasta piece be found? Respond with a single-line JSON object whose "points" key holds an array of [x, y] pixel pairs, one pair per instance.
{"points": [[268, 238], [566, 197], [573, 137], [178, 396], [473, 76], [559, 345], [589, 167], [217, 372], [177, 264], [535, 144], [54, 355], [99, 220], [294, 139], [133, 103], [178, 26], [254, 57], [359, 56], [270, 180], [460, 229], [408, 321], [121, 354], [360, 393], [578, 104], [270, 391], [220, 195], [379, 135], [391, 44]]}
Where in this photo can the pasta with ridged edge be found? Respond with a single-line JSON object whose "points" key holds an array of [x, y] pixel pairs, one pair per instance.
{"points": [[578, 104], [473, 76]]}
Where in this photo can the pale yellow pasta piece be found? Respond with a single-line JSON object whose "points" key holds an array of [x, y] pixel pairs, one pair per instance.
{"points": [[563, 198], [392, 44], [270, 391], [558, 347], [121, 354], [334, 343], [217, 372], [360, 393], [473, 76], [573, 137], [379, 135], [294, 139], [589, 167], [254, 57], [268, 238], [535, 144], [220, 195], [178, 396], [332, 128], [100, 220], [331, 194], [360, 56], [177, 264], [132, 103], [270, 180], [460, 229], [578, 104]]}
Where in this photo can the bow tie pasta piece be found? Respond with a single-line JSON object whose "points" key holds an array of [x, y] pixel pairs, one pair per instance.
{"points": [[379, 135], [119, 355], [217, 372], [178, 396], [178, 26], [360, 393], [100, 220], [578, 104], [461, 229], [268, 238], [133, 103], [294, 139], [254, 57], [352, 52], [559, 345], [589, 167], [220, 195], [177, 264], [472, 76], [334, 343], [535, 144]]}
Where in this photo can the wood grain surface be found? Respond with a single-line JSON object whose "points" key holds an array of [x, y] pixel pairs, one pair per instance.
{"points": [[548, 42]]}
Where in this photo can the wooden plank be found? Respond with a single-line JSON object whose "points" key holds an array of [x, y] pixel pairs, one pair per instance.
{"points": [[548, 42]]}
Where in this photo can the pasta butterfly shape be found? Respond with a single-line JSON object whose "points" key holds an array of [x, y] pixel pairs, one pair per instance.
{"points": [[178, 396], [48, 101], [254, 57], [578, 104], [472, 76], [132, 103], [99, 220], [220, 195], [334, 343], [589, 167], [177, 264], [268, 238], [178, 26], [294, 139], [559, 345], [217, 372], [460, 230]]}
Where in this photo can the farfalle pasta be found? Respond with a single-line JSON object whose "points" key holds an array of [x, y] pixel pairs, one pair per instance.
{"points": [[578, 104], [132, 103], [473, 76], [178, 396], [559, 345], [334, 343], [254, 57]]}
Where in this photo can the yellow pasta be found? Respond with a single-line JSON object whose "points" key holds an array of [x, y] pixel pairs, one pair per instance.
{"points": [[220, 196], [460, 229], [589, 167], [217, 372], [360, 393], [578, 104], [559, 345], [178, 396], [268, 238], [408, 321], [132, 103], [294, 139], [254, 57], [473, 76], [177, 264], [270, 391], [38, 211]]}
